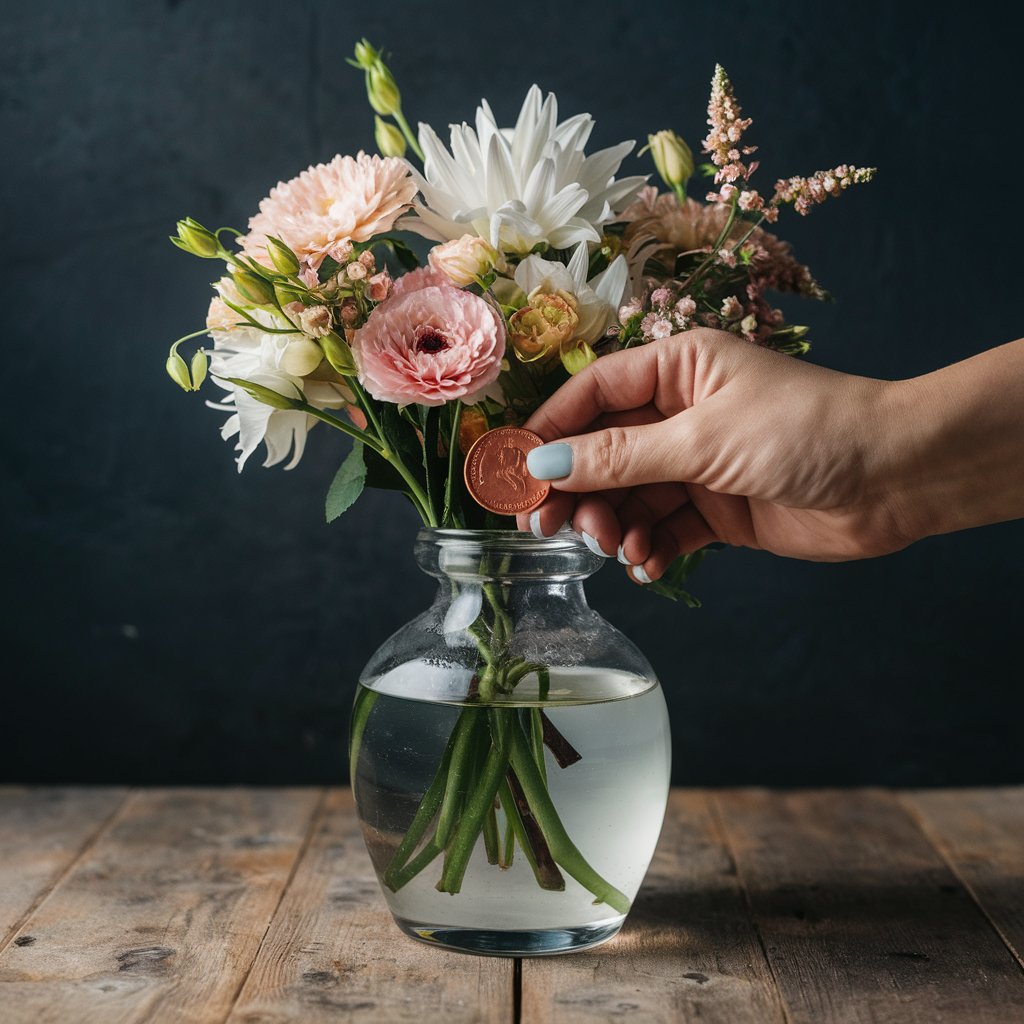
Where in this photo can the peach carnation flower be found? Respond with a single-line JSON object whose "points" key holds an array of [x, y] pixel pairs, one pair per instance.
{"points": [[429, 344], [327, 207]]}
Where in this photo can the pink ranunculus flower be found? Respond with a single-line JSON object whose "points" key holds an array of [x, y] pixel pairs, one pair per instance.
{"points": [[429, 343]]}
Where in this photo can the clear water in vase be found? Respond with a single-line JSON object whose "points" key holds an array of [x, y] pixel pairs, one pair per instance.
{"points": [[611, 803]]}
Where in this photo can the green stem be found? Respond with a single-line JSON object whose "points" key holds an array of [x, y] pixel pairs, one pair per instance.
{"points": [[407, 132], [722, 236], [508, 854], [565, 852], [491, 837], [423, 817], [415, 866], [453, 447], [530, 840], [460, 848], [365, 699], [460, 772], [537, 742]]}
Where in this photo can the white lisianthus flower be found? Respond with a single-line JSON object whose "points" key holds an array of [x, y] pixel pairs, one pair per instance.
{"points": [[254, 355], [517, 187], [597, 300]]}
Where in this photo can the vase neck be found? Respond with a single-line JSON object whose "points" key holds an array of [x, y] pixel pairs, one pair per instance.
{"points": [[506, 557]]}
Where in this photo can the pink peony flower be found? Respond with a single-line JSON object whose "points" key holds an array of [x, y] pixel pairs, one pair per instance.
{"points": [[429, 343], [326, 207]]}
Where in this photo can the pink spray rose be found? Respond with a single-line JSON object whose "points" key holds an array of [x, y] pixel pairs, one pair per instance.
{"points": [[429, 343]]}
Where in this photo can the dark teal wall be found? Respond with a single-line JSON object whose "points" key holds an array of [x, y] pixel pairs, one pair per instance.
{"points": [[168, 620]]}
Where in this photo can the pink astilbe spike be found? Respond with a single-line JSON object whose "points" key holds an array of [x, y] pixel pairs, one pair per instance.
{"points": [[727, 127], [805, 193]]}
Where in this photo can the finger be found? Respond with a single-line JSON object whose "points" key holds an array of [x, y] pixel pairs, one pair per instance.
{"points": [[596, 522], [638, 514], [681, 533], [616, 382], [620, 456], [629, 417], [549, 518]]}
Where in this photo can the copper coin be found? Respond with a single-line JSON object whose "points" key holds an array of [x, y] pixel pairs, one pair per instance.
{"points": [[496, 473]]}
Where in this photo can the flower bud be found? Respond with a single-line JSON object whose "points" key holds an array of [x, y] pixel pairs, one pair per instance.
{"points": [[539, 330], [472, 426], [672, 158], [254, 288], [301, 357], [284, 260], [286, 293], [194, 238], [382, 90], [268, 396], [390, 141], [177, 370], [366, 55], [339, 355], [200, 362], [577, 356], [465, 259]]}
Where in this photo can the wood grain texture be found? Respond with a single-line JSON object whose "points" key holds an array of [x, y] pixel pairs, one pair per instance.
{"points": [[333, 952], [860, 917], [980, 833], [42, 831], [161, 918], [686, 953]]}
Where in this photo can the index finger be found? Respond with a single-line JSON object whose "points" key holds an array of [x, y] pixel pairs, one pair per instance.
{"points": [[614, 383]]}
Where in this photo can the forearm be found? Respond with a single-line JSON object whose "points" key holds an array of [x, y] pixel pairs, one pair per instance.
{"points": [[955, 445]]}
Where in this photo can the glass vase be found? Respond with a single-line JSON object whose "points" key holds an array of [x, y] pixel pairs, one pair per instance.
{"points": [[509, 753]]}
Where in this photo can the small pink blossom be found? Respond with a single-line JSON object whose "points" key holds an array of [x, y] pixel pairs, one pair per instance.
{"points": [[429, 345], [686, 306], [349, 312], [731, 308], [628, 310], [367, 259], [727, 257], [661, 328], [355, 271], [378, 286], [308, 276], [660, 296]]}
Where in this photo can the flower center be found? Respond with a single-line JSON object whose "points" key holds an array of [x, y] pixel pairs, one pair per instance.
{"points": [[429, 339]]}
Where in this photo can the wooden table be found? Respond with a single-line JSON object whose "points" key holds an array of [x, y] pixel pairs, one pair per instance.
{"points": [[260, 905]]}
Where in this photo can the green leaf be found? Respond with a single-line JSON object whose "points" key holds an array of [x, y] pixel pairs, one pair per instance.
{"points": [[347, 484], [670, 585]]}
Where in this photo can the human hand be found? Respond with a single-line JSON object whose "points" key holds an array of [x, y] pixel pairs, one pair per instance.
{"points": [[703, 437]]}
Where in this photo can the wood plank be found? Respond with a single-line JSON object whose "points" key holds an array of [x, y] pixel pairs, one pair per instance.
{"points": [[42, 831], [860, 918], [980, 833], [333, 952], [161, 918], [687, 952]]}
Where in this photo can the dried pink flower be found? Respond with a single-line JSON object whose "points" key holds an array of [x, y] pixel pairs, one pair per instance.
{"points": [[330, 205], [686, 306], [429, 345], [355, 271], [804, 193], [378, 286], [727, 127]]}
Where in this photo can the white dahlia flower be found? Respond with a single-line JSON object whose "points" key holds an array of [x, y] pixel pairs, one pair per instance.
{"points": [[517, 187]]}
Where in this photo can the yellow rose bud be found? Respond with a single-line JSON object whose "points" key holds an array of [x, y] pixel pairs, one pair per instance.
{"points": [[577, 356], [390, 141], [539, 330], [382, 90], [465, 259], [672, 158]]}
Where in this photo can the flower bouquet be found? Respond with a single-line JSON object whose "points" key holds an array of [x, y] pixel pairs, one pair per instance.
{"points": [[542, 261]]}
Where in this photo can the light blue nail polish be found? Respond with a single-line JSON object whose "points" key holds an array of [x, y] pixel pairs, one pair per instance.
{"points": [[591, 543], [639, 575], [550, 461], [621, 556], [535, 525]]}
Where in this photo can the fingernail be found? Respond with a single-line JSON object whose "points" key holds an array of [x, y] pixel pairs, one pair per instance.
{"points": [[621, 556], [591, 543], [639, 575], [550, 461], [535, 526]]}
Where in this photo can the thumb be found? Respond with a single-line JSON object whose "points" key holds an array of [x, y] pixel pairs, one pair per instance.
{"points": [[618, 457]]}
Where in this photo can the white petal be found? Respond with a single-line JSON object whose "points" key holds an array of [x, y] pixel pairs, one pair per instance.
{"points": [[578, 266]]}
